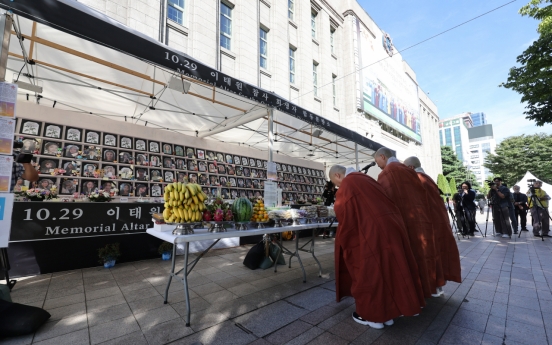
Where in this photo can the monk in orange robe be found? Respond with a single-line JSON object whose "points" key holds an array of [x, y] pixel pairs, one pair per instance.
{"points": [[447, 250], [404, 188], [373, 260]]}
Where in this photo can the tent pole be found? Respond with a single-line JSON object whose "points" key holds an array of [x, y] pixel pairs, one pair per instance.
{"points": [[270, 133], [356, 157]]}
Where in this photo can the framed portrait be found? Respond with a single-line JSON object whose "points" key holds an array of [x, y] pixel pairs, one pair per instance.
{"points": [[181, 164], [203, 179], [254, 173], [140, 144], [224, 193], [212, 168], [154, 146], [280, 175], [182, 176], [259, 163], [168, 163], [220, 157], [92, 153], [258, 194], [243, 193], [91, 137], [168, 176], [108, 186], [284, 167], [292, 177], [233, 193], [88, 169], [202, 166], [73, 134], [278, 167], [192, 178], [190, 152], [126, 143], [221, 169], [72, 151], [228, 159], [248, 183], [72, 168], [141, 190], [237, 160], [250, 194], [265, 164], [289, 168], [141, 159], [241, 183], [246, 172], [31, 127], [261, 184], [88, 186], [239, 171], [214, 191], [192, 165], [142, 174], [245, 161], [155, 175], [211, 156], [205, 190], [47, 165], [179, 150], [251, 162], [232, 181], [223, 180], [30, 145], [311, 172], [69, 186], [261, 173], [156, 190], [52, 131], [109, 155], [51, 148], [109, 171], [214, 180], [155, 161], [109, 139], [200, 154], [167, 149], [256, 184], [126, 172], [230, 170], [126, 157], [294, 169]]}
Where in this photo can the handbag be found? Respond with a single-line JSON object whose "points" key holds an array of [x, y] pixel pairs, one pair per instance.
{"points": [[276, 254], [267, 261], [255, 256]]}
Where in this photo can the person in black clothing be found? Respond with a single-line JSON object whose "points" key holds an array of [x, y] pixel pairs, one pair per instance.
{"points": [[521, 207], [329, 193], [468, 204], [459, 211]]}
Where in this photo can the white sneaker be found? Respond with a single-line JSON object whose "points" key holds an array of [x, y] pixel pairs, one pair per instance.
{"points": [[376, 325], [389, 323], [505, 236], [438, 293]]}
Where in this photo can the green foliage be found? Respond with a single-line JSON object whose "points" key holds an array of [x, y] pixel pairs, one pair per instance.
{"points": [[453, 185], [542, 13], [453, 168], [165, 247], [443, 184], [109, 252], [516, 155]]}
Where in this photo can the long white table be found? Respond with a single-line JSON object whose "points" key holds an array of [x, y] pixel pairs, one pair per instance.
{"points": [[164, 232]]}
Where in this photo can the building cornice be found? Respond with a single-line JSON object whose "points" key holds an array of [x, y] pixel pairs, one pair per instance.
{"points": [[333, 11], [352, 13]]}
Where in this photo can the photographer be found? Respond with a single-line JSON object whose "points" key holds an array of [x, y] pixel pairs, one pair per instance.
{"points": [[23, 170], [538, 204], [499, 197], [468, 204], [329, 193], [459, 211], [520, 205]]}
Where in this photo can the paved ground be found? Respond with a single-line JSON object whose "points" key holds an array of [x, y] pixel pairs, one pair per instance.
{"points": [[505, 298]]}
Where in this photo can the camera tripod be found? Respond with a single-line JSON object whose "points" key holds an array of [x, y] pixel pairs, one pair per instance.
{"points": [[454, 226], [534, 200]]}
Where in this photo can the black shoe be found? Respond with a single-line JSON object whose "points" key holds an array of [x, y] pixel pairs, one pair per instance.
{"points": [[546, 235], [471, 234]]}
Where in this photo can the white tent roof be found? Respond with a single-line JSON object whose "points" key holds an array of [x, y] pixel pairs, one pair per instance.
{"points": [[106, 80], [529, 176]]}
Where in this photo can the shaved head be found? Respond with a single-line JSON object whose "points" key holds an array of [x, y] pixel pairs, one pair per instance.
{"points": [[337, 174], [382, 156], [413, 162]]}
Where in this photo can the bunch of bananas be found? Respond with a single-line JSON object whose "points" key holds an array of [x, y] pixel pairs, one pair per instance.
{"points": [[183, 203]]}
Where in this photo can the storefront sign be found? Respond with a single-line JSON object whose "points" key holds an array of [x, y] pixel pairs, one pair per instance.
{"points": [[34, 221]]}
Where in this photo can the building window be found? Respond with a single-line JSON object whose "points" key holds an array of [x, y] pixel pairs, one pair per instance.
{"points": [[225, 26], [448, 137], [313, 24], [292, 65], [458, 142], [175, 11], [315, 78], [291, 9], [334, 91], [441, 138], [332, 33], [264, 48]]}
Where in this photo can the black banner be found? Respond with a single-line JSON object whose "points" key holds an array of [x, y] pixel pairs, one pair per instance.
{"points": [[77, 19], [35, 221]]}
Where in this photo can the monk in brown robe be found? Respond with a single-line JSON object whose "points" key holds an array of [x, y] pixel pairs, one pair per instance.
{"points": [[404, 188], [447, 249], [373, 260]]}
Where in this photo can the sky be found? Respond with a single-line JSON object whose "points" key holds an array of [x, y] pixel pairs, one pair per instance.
{"points": [[462, 69]]}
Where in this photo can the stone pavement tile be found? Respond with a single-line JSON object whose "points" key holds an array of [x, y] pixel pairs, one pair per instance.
{"points": [[270, 318], [232, 281], [470, 319], [477, 305], [196, 281], [544, 295], [337, 318], [143, 305], [457, 335], [524, 315], [197, 304], [102, 303], [522, 283], [67, 311], [174, 287], [492, 340], [134, 286], [219, 297], [329, 285], [305, 337], [260, 341], [545, 305], [113, 329], [28, 297], [328, 338], [219, 335], [135, 295], [288, 332], [320, 314], [348, 329], [312, 299], [205, 319], [75, 338], [529, 302], [524, 333], [156, 316], [20, 340], [54, 329], [166, 332], [62, 284], [501, 297], [439, 325], [499, 309], [496, 326], [100, 285], [389, 338], [63, 301], [101, 293], [243, 289], [108, 314], [207, 289], [481, 294]]}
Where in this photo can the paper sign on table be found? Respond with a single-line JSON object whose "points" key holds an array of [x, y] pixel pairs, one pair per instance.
{"points": [[6, 208], [6, 165], [7, 130]]}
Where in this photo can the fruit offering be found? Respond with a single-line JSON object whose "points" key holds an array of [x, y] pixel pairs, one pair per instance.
{"points": [[242, 210], [183, 203], [259, 212]]}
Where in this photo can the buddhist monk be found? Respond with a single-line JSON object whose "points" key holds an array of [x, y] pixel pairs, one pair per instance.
{"points": [[404, 188], [373, 260], [447, 250]]}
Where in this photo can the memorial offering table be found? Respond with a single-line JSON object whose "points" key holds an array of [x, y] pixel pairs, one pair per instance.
{"points": [[164, 232]]}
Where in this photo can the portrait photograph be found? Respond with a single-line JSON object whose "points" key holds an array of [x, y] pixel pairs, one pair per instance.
{"points": [[214, 191], [258, 194], [224, 193], [192, 165], [110, 139], [203, 179], [88, 169], [246, 172], [248, 183], [243, 194], [140, 144], [220, 157], [109, 171], [68, 187], [259, 163], [126, 157], [245, 161], [88, 186], [265, 164], [125, 189], [168, 162], [190, 152], [51, 148], [304, 171], [278, 167], [289, 168], [92, 153], [181, 164], [233, 194], [250, 194], [261, 173], [284, 168], [251, 162], [126, 172], [223, 180], [230, 170], [72, 151], [179, 150], [211, 156], [155, 161], [202, 166], [156, 190], [280, 175], [256, 184], [237, 160], [141, 190], [221, 169], [92, 137], [228, 159], [30, 127], [294, 169], [254, 173], [71, 167], [167, 149], [154, 146], [155, 175], [47, 166], [108, 186], [200, 154], [109, 155], [239, 171], [73, 134], [182, 177], [126, 143], [212, 168], [232, 181], [168, 176], [192, 178], [52, 131], [241, 183], [205, 190], [141, 159], [294, 187], [30, 145], [141, 174]]}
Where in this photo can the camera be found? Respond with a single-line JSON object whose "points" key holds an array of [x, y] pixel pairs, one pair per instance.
{"points": [[490, 183], [19, 156]]}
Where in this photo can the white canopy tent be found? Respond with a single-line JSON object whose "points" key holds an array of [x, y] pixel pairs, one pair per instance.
{"points": [[145, 82], [529, 176]]}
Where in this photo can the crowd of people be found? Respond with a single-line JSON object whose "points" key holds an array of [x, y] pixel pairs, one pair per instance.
{"points": [[394, 247]]}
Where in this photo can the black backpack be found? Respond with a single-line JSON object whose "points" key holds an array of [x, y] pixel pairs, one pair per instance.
{"points": [[255, 256]]}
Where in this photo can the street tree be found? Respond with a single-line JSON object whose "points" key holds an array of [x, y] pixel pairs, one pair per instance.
{"points": [[443, 185], [514, 156], [453, 185], [453, 168]]}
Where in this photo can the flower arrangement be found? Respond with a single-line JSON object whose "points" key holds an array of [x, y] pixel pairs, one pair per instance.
{"points": [[38, 194], [100, 195]]}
